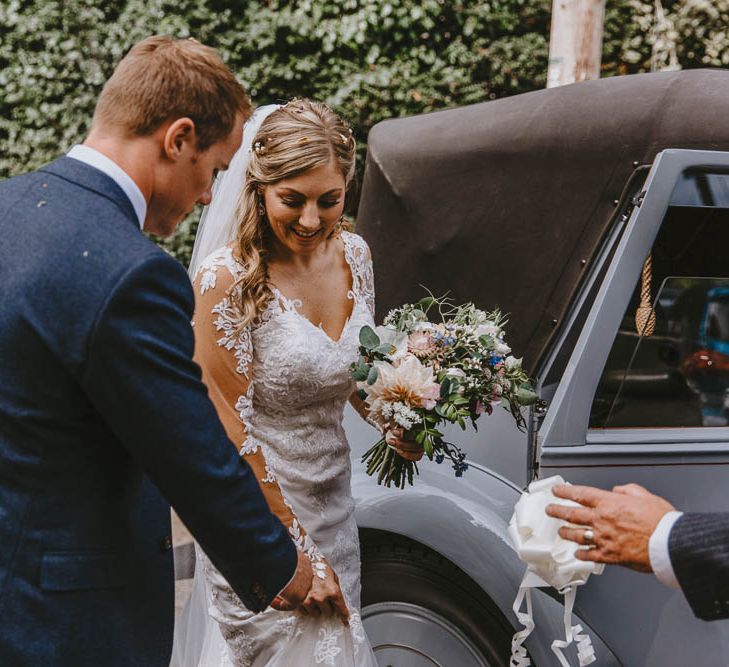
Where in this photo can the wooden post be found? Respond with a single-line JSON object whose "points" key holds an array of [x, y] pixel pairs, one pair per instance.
{"points": [[575, 43]]}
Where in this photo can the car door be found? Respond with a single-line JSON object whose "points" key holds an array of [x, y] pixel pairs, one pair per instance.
{"points": [[644, 396]]}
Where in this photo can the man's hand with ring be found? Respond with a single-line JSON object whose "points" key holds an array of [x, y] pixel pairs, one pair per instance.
{"points": [[615, 526], [408, 449]]}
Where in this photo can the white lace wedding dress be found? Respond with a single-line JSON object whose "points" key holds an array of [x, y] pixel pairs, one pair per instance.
{"points": [[292, 412]]}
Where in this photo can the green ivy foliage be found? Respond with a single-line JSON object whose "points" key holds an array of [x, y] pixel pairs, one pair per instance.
{"points": [[369, 59]]}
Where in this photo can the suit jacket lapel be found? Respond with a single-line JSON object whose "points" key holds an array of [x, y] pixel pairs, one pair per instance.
{"points": [[90, 178]]}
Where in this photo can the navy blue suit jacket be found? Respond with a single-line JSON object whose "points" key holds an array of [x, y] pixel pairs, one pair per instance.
{"points": [[699, 550], [98, 395]]}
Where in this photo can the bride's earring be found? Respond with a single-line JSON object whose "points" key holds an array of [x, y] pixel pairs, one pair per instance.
{"points": [[261, 208]]}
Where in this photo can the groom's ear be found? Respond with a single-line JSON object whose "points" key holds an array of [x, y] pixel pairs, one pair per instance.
{"points": [[180, 138]]}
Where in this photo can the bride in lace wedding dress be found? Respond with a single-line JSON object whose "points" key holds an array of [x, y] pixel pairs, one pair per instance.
{"points": [[277, 317]]}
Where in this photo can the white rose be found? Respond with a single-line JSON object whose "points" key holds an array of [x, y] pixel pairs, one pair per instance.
{"points": [[397, 339], [512, 362], [501, 348], [487, 329]]}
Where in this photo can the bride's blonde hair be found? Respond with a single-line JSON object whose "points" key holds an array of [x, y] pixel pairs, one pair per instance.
{"points": [[299, 136]]}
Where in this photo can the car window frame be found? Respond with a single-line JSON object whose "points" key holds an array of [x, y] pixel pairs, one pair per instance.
{"points": [[566, 421]]}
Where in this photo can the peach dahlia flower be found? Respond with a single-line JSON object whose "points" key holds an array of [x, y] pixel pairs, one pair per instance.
{"points": [[409, 382]]}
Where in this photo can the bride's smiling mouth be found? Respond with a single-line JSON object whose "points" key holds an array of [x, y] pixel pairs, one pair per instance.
{"points": [[305, 235]]}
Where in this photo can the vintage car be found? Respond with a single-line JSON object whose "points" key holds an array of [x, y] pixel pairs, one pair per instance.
{"points": [[597, 216]]}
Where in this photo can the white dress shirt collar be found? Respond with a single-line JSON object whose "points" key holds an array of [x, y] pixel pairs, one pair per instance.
{"points": [[93, 158]]}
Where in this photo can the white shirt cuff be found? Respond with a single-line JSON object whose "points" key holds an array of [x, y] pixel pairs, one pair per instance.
{"points": [[658, 550]]}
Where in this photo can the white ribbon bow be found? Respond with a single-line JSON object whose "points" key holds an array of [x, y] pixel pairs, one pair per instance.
{"points": [[550, 561]]}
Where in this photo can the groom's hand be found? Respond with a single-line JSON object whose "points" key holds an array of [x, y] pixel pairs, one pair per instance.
{"points": [[408, 449], [298, 588], [622, 522]]}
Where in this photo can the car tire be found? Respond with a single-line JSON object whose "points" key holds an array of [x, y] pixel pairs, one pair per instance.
{"points": [[418, 608]]}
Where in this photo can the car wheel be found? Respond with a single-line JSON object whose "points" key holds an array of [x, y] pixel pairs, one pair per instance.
{"points": [[420, 610]]}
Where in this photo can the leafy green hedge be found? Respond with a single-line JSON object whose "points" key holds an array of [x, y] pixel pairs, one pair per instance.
{"points": [[369, 59]]}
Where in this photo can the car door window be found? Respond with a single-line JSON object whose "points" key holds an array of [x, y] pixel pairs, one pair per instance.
{"points": [[669, 362]]}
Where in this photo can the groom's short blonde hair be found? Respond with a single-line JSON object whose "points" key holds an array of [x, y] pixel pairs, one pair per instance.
{"points": [[162, 78]]}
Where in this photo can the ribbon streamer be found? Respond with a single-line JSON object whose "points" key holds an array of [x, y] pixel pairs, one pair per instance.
{"points": [[519, 657], [585, 650]]}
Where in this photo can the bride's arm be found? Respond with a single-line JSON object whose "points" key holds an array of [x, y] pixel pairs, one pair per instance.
{"points": [[361, 407], [408, 449], [225, 356]]}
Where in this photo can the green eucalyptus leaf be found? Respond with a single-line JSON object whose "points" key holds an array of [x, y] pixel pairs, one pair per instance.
{"points": [[384, 348], [428, 446], [445, 388], [486, 341], [425, 303], [525, 395], [372, 376], [368, 339]]}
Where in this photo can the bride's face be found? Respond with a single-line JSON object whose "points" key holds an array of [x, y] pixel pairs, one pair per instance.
{"points": [[303, 210]]}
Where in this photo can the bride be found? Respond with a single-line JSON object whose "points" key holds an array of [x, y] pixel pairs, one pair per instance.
{"points": [[279, 306]]}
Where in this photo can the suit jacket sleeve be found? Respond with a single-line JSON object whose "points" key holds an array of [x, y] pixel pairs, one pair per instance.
{"points": [[699, 549], [140, 376]]}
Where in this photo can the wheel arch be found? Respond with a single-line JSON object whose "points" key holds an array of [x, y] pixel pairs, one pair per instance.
{"points": [[465, 521]]}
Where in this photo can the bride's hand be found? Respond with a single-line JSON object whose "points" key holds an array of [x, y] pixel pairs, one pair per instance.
{"points": [[408, 449], [298, 588], [325, 597]]}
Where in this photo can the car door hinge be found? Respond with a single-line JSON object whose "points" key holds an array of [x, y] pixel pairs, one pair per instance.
{"points": [[638, 199]]}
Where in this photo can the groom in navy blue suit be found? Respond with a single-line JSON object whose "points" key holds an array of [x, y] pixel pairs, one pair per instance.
{"points": [[99, 393]]}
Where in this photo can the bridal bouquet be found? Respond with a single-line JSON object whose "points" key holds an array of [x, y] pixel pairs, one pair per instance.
{"points": [[418, 373]]}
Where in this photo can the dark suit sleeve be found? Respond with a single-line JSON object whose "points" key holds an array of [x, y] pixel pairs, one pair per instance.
{"points": [[140, 376], [699, 548]]}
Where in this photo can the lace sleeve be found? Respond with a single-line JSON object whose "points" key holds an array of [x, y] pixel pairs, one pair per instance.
{"points": [[359, 258], [224, 351], [368, 282]]}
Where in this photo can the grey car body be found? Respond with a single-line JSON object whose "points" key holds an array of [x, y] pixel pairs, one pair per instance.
{"points": [[548, 204]]}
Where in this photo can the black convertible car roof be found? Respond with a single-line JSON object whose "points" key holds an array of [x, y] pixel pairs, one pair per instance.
{"points": [[505, 203]]}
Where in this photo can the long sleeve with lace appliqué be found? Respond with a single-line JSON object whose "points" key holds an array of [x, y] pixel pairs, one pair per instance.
{"points": [[224, 351], [363, 282], [359, 259]]}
